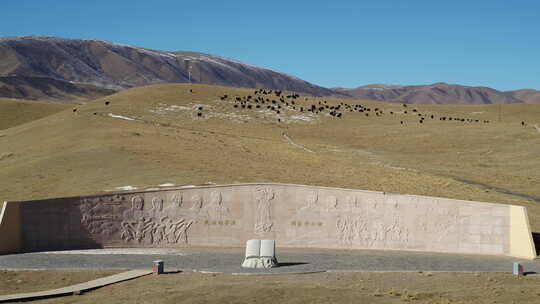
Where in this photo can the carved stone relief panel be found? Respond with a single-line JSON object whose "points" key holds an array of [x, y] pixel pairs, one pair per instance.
{"points": [[351, 204], [304, 225], [133, 223], [295, 215], [311, 203], [196, 203], [98, 216], [177, 200], [371, 221], [331, 203], [352, 228], [263, 202], [214, 209]]}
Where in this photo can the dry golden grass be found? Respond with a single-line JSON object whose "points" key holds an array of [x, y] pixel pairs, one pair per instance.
{"points": [[360, 287], [14, 112], [88, 151], [29, 280]]}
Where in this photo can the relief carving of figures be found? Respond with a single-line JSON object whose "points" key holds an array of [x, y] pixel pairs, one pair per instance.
{"points": [[98, 217], [177, 201], [215, 209], [345, 230], [135, 225], [168, 231], [137, 205], [350, 229], [366, 233], [155, 222], [158, 231], [263, 198], [136, 230], [155, 226], [311, 202], [176, 232], [372, 203], [351, 203], [157, 207], [424, 220], [331, 203], [377, 233], [446, 221], [396, 231], [197, 203]]}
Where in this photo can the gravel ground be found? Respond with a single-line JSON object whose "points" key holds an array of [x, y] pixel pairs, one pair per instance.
{"points": [[228, 260]]}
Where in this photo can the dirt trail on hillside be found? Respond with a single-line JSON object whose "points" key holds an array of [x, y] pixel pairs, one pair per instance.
{"points": [[289, 139]]}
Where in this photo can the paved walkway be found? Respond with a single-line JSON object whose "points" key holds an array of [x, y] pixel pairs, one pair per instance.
{"points": [[228, 260], [124, 276]]}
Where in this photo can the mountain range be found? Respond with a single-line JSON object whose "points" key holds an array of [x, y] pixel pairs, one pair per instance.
{"points": [[76, 70], [59, 68], [441, 93]]}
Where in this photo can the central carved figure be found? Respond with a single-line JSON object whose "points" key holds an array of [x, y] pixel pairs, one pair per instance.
{"points": [[263, 198], [215, 209]]}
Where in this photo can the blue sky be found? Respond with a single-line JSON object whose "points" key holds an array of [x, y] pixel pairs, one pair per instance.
{"points": [[492, 43]]}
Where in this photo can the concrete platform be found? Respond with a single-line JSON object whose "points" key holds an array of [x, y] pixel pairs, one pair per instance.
{"points": [[229, 260]]}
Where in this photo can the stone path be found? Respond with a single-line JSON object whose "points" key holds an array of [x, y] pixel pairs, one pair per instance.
{"points": [[228, 260], [124, 276]]}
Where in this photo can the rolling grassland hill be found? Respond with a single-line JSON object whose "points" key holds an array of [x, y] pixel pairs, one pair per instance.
{"points": [[14, 112], [200, 134], [77, 70]]}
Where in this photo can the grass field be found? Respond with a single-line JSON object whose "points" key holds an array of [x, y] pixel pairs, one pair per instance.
{"points": [[88, 151], [348, 287], [31, 281], [14, 112]]}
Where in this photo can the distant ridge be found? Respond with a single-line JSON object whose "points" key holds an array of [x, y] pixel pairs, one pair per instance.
{"points": [[527, 95], [76, 70], [440, 93], [60, 68]]}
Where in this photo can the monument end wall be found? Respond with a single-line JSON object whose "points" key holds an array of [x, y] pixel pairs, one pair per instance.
{"points": [[10, 228]]}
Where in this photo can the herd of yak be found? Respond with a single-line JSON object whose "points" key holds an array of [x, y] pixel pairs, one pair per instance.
{"points": [[277, 101]]}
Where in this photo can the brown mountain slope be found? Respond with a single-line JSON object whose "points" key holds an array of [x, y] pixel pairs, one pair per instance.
{"points": [[44, 88], [375, 92], [437, 93], [58, 68], [527, 95]]}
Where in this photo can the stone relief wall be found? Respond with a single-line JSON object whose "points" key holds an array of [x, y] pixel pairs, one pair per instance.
{"points": [[293, 215]]}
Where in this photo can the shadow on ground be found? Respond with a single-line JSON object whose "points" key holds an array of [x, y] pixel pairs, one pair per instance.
{"points": [[291, 264]]}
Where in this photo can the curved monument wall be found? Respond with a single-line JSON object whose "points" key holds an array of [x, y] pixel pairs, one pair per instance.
{"points": [[293, 215]]}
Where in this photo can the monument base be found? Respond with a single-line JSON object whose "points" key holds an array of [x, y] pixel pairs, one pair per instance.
{"points": [[260, 262]]}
